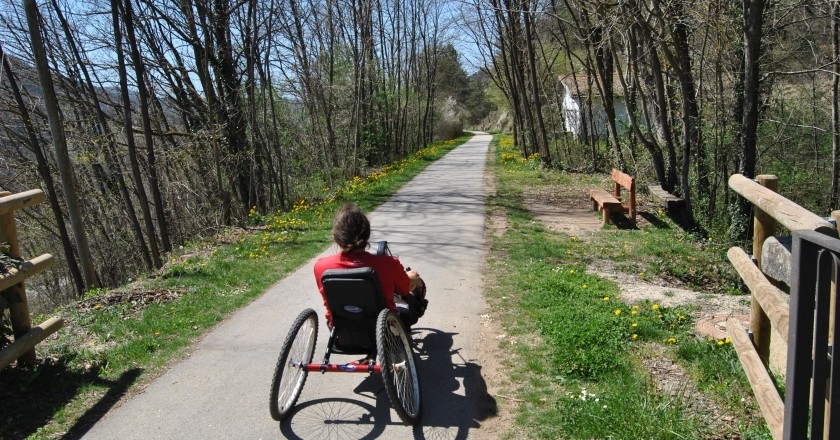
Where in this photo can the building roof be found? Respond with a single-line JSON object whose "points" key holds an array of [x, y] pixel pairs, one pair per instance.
{"points": [[578, 84]]}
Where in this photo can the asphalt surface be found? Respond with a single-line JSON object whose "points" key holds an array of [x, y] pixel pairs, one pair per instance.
{"points": [[435, 224]]}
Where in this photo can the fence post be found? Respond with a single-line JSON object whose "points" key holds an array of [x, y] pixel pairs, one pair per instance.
{"points": [[16, 295], [764, 226], [826, 426]]}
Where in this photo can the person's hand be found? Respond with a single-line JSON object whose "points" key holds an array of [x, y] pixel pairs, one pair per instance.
{"points": [[413, 278]]}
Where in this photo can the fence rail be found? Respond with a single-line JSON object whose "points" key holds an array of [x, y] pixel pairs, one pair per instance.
{"points": [[769, 307], [11, 283]]}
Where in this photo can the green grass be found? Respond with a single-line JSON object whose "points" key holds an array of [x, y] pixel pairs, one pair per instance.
{"points": [[109, 346], [578, 349]]}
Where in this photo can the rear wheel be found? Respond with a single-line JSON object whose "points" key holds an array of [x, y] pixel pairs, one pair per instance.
{"points": [[290, 372], [399, 370]]}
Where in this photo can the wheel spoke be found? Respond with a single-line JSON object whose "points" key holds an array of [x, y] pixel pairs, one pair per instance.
{"points": [[402, 381], [296, 363], [398, 368], [290, 373]]}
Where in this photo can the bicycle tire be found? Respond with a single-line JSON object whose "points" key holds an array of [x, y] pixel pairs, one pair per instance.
{"points": [[399, 369], [290, 373]]}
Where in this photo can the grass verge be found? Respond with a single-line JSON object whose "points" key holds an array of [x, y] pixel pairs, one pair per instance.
{"points": [[116, 340], [579, 351]]}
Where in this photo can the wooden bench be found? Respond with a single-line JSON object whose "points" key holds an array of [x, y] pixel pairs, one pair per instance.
{"points": [[608, 203], [670, 202]]}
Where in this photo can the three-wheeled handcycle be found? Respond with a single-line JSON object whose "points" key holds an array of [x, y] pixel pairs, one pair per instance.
{"points": [[362, 325]]}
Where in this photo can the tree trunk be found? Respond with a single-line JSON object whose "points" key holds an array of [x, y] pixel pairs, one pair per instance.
{"points": [[140, 189], [46, 176], [110, 147], [532, 70], [653, 149], [148, 134], [835, 105], [65, 166], [753, 22]]}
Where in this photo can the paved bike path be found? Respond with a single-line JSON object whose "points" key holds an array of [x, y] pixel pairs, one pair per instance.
{"points": [[436, 225]]}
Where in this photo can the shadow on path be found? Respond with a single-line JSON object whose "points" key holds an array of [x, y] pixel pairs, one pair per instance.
{"points": [[29, 398]]}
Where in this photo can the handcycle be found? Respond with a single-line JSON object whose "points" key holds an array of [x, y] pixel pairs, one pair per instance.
{"points": [[362, 325]]}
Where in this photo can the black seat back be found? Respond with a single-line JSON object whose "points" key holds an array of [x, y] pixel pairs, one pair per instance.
{"points": [[354, 298]]}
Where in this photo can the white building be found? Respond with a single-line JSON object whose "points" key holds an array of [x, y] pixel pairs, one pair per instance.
{"points": [[577, 90]]}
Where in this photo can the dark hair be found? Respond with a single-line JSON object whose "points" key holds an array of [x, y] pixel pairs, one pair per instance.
{"points": [[351, 229]]}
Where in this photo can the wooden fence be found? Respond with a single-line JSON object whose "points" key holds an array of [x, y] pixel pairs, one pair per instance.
{"points": [[769, 304], [12, 292]]}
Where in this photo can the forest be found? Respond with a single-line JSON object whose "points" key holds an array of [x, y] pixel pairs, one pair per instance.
{"points": [[149, 123], [690, 92]]}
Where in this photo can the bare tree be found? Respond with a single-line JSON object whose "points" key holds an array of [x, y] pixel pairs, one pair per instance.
{"points": [[64, 163]]}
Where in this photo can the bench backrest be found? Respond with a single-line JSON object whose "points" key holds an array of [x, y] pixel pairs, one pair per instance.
{"points": [[624, 180], [629, 183], [354, 298]]}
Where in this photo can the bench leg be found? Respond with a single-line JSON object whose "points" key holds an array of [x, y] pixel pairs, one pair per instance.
{"points": [[594, 205], [606, 214]]}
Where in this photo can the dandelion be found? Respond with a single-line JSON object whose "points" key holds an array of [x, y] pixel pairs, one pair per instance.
{"points": [[655, 307], [157, 333], [584, 286], [634, 337], [634, 325], [672, 340], [728, 340], [634, 312], [617, 312], [98, 306], [720, 342], [606, 298]]}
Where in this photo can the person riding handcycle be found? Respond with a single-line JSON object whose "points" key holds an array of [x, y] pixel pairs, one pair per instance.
{"points": [[351, 232], [363, 317]]}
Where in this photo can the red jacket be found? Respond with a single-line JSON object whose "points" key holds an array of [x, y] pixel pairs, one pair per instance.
{"points": [[389, 270]]}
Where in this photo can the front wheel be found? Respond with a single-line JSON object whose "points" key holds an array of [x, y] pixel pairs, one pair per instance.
{"points": [[290, 372], [399, 370]]}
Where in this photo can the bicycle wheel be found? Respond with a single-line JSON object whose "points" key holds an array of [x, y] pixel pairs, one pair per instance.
{"points": [[399, 370], [290, 372]]}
